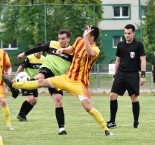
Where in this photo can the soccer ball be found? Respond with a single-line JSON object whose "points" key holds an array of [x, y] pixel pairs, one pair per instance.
{"points": [[22, 76]]}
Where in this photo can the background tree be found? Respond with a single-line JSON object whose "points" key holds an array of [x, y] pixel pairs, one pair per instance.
{"points": [[29, 22], [149, 30]]}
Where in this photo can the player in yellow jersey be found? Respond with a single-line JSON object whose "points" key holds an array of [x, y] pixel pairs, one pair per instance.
{"points": [[5, 64], [30, 65], [76, 80]]}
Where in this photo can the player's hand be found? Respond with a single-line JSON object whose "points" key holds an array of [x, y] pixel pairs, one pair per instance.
{"points": [[87, 31], [142, 81], [21, 55], [59, 51], [152, 73]]}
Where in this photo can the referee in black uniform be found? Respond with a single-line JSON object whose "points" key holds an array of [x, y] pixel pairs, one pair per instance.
{"points": [[130, 59]]}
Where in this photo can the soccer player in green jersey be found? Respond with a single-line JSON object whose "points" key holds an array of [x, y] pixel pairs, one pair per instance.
{"points": [[53, 65]]}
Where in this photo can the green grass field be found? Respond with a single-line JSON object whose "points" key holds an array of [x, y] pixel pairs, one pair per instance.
{"points": [[41, 127]]}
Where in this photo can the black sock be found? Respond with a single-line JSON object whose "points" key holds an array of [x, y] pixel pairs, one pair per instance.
{"points": [[29, 108], [136, 110], [113, 110], [23, 108], [60, 116]]}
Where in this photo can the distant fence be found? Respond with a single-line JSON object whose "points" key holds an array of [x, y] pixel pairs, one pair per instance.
{"points": [[101, 80]]}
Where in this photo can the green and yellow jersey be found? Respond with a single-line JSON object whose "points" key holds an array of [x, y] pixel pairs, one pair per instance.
{"points": [[57, 64], [32, 64]]}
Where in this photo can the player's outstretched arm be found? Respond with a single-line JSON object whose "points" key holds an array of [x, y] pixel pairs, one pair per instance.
{"points": [[67, 50], [86, 36], [21, 55]]}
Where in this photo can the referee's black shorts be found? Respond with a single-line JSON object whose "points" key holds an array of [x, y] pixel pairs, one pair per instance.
{"points": [[126, 81]]}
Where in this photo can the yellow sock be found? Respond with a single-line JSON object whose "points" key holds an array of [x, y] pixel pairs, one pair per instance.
{"points": [[27, 85], [1, 140], [98, 118], [6, 114]]}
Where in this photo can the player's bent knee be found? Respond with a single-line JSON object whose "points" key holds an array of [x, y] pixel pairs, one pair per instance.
{"points": [[81, 98], [113, 96], [32, 100], [85, 102]]}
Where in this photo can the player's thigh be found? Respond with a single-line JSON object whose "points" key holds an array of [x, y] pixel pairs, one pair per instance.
{"points": [[59, 82], [78, 89], [2, 90], [118, 88], [39, 76], [64, 83], [32, 100], [3, 101], [43, 83], [133, 83]]}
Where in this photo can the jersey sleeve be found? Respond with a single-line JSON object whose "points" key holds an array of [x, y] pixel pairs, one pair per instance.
{"points": [[25, 62], [152, 62], [43, 48], [118, 50], [141, 49]]}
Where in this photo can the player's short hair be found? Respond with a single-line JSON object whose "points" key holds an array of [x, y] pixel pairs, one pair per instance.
{"points": [[38, 45], [130, 26], [95, 32], [65, 31]]}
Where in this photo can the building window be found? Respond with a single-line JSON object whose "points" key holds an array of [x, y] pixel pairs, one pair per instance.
{"points": [[9, 46], [143, 11], [116, 40], [121, 11]]}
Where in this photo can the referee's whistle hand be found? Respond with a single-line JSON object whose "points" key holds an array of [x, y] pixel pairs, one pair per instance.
{"points": [[142, 81]]}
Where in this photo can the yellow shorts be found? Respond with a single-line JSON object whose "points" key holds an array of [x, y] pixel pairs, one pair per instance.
{"points": [[76, 88], [2, 91]]}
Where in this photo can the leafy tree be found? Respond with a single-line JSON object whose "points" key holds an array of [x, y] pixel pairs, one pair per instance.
{"points": [[149, 30], [34, 21]]}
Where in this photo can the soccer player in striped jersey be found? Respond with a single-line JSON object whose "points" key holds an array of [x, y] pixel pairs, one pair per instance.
{"points": [[76, 80]]}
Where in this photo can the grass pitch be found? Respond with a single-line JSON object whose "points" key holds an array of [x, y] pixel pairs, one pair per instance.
{"points": [[41, 127]]}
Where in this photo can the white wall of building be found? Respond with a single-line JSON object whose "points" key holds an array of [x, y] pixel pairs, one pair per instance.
{"points": [[119, 24]]}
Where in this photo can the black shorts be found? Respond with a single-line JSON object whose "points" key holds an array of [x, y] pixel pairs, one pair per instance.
{"points": [[126, 81], [48, 73], [30, 92]]}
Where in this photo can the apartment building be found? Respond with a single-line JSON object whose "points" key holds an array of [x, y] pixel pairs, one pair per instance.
{"points": [[118, 13]]}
